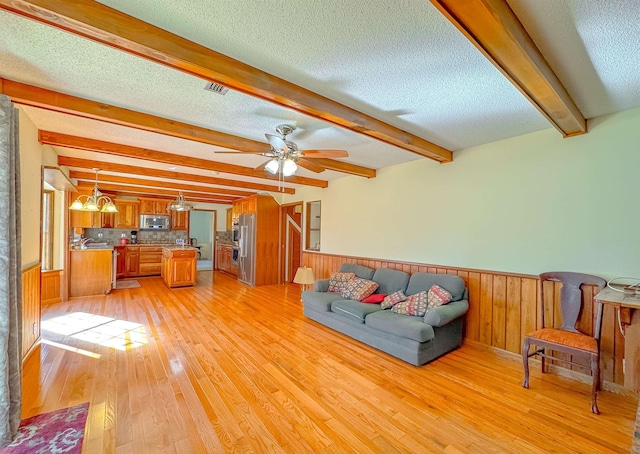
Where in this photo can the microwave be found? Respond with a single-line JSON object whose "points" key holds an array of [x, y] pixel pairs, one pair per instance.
{"points": [[155, 222]]}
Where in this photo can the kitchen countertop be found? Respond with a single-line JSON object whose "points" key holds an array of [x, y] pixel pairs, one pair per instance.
{"points": [[176, 246]]}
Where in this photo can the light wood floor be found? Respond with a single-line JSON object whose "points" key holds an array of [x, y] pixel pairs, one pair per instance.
{"points": [[228, 368]]}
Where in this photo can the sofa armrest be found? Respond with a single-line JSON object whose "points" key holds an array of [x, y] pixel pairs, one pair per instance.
{"points": [[321, 285], [442, 315]]}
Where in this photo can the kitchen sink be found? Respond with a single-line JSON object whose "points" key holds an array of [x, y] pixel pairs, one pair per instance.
{"points": [[96, 246]]}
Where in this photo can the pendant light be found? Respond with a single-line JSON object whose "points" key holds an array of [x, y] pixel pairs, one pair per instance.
{"points": [[95, 202], [179, 204]]}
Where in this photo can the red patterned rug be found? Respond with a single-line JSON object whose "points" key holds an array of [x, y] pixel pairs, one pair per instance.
{"points": [[60, 431]]}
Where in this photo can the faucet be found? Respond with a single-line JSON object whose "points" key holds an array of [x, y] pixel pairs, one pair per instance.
{"points": [[84, 241]]}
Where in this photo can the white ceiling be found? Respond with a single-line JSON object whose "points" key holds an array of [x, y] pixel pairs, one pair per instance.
{"points": [[401, 62]]}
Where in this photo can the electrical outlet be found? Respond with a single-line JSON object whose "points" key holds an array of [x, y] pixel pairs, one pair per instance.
{"points": [[35, 328]]}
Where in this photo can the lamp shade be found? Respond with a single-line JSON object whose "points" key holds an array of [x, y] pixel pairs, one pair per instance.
{"points": [[304, 276]]}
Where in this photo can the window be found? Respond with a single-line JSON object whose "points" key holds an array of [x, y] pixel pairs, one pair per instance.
{"points": [[47, 230], [313, 226]]}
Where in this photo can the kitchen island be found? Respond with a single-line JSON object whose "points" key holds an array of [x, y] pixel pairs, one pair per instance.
{"points": [[179, 266], [91, 271]]}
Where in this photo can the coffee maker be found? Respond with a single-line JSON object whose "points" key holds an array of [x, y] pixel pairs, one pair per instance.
{"points": [[134, 237]]}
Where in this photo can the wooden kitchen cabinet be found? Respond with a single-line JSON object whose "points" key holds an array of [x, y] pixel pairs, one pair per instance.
{"points": [[128, 215], [266, 211], [179, 220], [179, 266], [120, 252], [132, 261], [150, 261], [229, 223], [153, 206], [90, 272], [224, 254]]}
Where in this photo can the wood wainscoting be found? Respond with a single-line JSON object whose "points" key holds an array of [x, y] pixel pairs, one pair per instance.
{"points": [[50, 286], [30, 308], [503, 307]]}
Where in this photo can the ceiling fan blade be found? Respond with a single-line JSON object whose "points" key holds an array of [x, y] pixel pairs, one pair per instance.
{"points": [[240, 152], [325, 153], [276, 142], [261, 167], [310, 165]]}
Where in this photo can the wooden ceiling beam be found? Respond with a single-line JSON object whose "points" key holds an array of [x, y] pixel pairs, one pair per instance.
{"points": [[149, 172], [32, 96], [111, 188], [493, 27], [339, 166], [106, 178], [92, 20], [128, 151]]}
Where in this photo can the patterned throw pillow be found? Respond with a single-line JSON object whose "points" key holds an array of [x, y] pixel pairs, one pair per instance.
{"points": [[415, 305], [337, 281], [393, 299], [437, 297], [358, 289]]}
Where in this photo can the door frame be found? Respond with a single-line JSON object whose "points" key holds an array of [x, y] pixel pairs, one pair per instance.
{"points": [[283, 236]]}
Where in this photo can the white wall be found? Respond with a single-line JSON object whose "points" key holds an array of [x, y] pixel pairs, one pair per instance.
{"points": [[528, 204], [32, 156]]}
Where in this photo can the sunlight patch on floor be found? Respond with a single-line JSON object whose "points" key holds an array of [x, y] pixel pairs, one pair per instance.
{"points": [[97, 329]]}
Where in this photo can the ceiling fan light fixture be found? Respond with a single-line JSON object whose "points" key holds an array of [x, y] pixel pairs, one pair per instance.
{"points": [[289, 167], [272, 166]]}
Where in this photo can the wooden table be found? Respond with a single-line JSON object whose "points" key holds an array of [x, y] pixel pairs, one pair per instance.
{"points": [[626, 305]]}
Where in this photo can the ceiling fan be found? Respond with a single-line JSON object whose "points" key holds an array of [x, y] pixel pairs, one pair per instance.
{"points": [[286, 157]]}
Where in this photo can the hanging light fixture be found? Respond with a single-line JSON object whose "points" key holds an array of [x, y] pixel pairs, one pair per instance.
{"points": [[272, 166], [95, 202], [286, 167], [179, 204], [289, 167]]}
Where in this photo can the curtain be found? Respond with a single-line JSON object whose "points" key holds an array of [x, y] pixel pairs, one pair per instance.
{"points": [[10, 275]]}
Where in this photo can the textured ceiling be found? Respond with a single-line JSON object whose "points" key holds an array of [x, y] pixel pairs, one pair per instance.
{"points": [[401, 62]]}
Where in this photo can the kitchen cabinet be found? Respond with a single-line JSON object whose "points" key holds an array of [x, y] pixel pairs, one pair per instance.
{"points": [[128, 215], [153, 206], [224, 259], [120, 252], [179, 266], [179, 220], [150, 261], [236, 211], [132, 261], [229, 223], [90, 272], [266, 211]]}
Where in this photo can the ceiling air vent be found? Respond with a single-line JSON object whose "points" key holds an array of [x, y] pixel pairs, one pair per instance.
{"points": [[216, 88]]}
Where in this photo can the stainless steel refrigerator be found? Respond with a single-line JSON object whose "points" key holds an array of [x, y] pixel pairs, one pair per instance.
{"points": [[247, 252]]}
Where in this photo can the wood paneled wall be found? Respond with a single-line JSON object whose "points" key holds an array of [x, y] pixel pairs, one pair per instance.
{"points": [[503, 307], [30, 308], [50, 286]]}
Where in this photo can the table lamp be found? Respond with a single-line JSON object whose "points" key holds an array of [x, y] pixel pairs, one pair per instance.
{"points": [[304, 276]]}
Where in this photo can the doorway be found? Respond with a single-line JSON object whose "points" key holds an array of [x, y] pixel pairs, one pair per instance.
{"points": [[202, 234], [290, 240]]}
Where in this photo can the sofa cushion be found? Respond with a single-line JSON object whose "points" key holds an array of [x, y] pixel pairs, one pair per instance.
{"points": [[393, 299], [361, 271], [337, 281], [400, 325], [437, 297], [358, 289], [354, 310], [414, 305], [319, 301], [424, 281], [376, 298], [390, 281]]}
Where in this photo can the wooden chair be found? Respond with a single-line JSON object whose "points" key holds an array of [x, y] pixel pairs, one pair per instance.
{"points": [[567, 339]]}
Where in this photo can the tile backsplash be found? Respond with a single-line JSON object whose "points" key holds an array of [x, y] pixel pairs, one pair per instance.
{"points": [[112, 236]]}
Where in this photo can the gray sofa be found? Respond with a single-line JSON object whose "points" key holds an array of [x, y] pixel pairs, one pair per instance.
{"points": [[416, 340]]}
